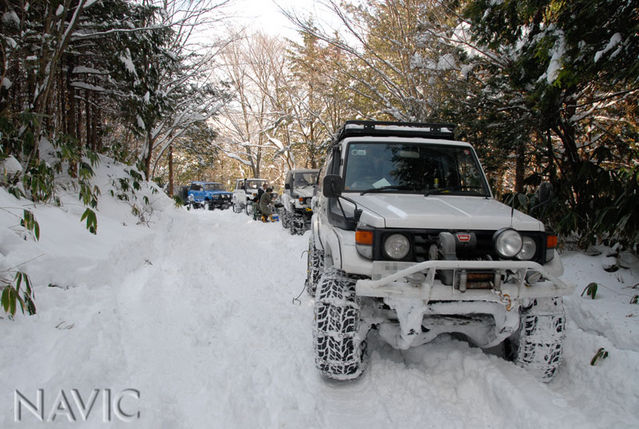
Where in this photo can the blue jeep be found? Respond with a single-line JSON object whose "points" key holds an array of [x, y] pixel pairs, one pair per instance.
{"points": [[209, 195]]}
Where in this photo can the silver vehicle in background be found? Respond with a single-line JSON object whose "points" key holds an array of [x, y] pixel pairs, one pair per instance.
{"points": [[296, 210]]}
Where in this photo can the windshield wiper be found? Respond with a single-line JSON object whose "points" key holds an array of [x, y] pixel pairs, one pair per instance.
{"points": [[385, 188], [448, 189]]}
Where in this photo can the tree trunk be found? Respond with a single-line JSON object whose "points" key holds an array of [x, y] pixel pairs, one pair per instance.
{"points": [[170, 190], [87, 117], [520, 168], [70, 112], [148, 155], [98, 129]]}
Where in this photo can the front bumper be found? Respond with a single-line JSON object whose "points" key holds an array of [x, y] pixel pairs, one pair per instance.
{"points": [[221, 202], [304, 211], [417, 281]]}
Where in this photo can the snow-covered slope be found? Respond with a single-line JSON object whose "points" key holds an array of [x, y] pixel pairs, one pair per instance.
{"points": [[196, 311]]}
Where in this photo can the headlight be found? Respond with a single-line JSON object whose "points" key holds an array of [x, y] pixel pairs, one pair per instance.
{"points": [[528, 249], [397, 246], [508, 242]]}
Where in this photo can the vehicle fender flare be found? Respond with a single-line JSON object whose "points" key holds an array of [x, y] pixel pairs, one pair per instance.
{"points": [[315, 226], [330, 243]]}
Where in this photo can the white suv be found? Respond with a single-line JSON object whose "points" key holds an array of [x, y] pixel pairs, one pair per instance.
{"points": [[245, 191], [296, 211], [407, 239]]}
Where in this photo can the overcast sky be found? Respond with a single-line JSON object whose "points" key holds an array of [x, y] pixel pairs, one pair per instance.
{"points": [[265, 15]]}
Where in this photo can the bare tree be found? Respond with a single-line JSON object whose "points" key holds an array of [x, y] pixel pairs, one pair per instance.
{"points": [[381, 42], [255, 68]]}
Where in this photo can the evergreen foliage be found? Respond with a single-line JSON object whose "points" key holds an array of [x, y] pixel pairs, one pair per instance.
{"points": [[547, 91]]}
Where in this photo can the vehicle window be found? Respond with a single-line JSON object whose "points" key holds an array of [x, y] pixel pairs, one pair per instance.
{"points": [[326, 169], [254, 184], [195, 187], [305, 179], [213, 187], [413, 168]]}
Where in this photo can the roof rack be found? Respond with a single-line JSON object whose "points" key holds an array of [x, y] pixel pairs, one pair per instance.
{"points": [[395, 129]]}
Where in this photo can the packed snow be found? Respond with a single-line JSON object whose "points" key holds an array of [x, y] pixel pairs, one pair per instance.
{"points": [[203, 314]]}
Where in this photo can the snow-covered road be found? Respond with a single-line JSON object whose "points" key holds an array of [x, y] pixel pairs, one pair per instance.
{"points": [[198, 315]]}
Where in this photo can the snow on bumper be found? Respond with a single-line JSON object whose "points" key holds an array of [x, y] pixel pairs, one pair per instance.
{"points": [[417, 281]]}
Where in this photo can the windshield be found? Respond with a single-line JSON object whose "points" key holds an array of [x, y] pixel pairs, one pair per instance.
{"points": [[254, 184], [213, 187], [413, 168], [301, 180]]}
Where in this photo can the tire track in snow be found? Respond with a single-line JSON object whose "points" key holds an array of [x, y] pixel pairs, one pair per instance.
{"points": [[240, 353]]}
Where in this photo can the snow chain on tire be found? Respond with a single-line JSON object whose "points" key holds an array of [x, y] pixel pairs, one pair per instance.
{"points": [[339, 350], [297, 225], [314, 267], [541, 334], [282, 213], [288, 219]]}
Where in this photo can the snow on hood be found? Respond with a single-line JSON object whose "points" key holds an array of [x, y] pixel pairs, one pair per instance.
{"points": [[440, 212]]}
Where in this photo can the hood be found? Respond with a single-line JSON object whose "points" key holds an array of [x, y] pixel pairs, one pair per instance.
{"points": [[218, 192], [440, 212]]}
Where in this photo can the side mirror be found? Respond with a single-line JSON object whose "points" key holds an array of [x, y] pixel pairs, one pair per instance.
{"points": [[287, 186], [544, 193], [332, 186]]}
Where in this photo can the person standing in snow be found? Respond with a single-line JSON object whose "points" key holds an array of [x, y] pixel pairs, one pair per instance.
{"points": [[265, 201], [260, 192]]}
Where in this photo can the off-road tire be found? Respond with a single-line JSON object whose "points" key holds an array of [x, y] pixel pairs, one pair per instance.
{"points": [[297, 225], [314, 267], [248, 208], [339, 350], [286, 220], [538, 344]]}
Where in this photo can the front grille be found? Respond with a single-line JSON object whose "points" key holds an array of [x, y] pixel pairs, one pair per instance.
{"points": [[481, 250], [421, 241]]}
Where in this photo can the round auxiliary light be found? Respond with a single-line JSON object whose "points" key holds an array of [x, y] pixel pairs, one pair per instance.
{"points": [[397, 246], [528, 249], [508, 243]]}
